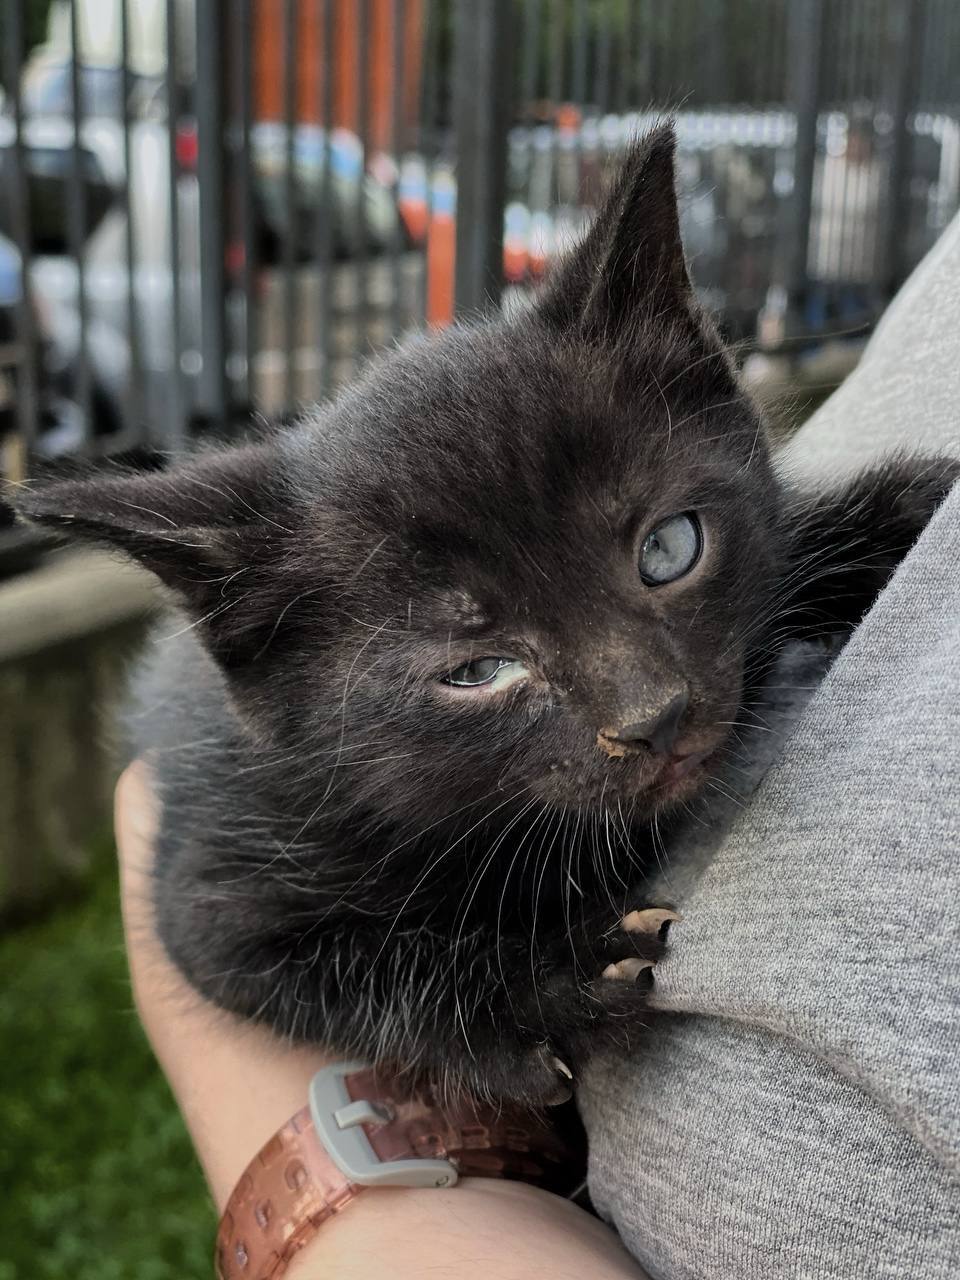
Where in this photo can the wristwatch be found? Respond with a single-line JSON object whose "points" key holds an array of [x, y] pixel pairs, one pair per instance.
{"points": [[357, 1133]]}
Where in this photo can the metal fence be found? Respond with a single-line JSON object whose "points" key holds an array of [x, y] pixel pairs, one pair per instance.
{"points": [[216, 209]]}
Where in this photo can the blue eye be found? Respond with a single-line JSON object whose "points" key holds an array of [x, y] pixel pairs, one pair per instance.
{"points": [[491, 673], [671, 550]]}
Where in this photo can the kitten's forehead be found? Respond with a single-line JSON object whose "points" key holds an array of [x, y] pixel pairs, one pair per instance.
{"points": [[482, 445]]}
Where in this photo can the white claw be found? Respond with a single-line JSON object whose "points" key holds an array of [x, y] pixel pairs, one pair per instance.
{"points": [[562, 1068], [627, 970], [650, 920]]}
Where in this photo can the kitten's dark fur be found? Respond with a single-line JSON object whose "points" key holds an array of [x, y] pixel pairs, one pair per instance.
{"points": [[353, 851]]}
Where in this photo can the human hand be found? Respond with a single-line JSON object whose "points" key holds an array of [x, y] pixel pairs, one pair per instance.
{"points": [[236, 1084]]}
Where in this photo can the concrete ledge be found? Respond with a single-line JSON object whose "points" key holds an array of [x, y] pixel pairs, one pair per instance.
{"points": [[68, 630], [69, 595]]}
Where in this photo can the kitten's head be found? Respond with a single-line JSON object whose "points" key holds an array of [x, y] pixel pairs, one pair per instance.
{"points": [[517, 563]]}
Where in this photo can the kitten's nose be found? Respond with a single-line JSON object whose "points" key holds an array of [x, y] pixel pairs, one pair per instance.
{"points": [[658, 732]]}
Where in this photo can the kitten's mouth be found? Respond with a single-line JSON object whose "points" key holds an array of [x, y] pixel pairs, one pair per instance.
{"points": [[682, 774], [655, 784], [679, 767]]}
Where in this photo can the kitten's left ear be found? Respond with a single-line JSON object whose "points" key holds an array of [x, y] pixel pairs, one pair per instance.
{"points": [[630, 265]]}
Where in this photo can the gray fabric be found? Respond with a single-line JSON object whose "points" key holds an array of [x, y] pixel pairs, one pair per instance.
{"points": [[794, 1108]]}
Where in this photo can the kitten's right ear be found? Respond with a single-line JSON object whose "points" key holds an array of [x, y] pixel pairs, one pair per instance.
{"points": [[630, 265], [204, 527]]}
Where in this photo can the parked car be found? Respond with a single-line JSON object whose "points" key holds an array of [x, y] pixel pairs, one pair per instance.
{"points": [[60, 428], [108, 281], [353, 190], [48, 141], [109, 191], [353, 184]]}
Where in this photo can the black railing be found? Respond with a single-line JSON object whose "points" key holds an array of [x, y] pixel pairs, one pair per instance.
{"points": [[215, 209]]}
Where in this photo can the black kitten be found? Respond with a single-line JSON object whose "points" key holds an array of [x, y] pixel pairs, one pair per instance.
{"points": [[453, 642]]}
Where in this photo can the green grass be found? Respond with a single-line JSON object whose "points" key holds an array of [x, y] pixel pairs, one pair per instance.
{"points": [[98, 1178]]}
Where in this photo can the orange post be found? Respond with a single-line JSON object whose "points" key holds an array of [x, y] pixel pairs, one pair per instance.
{"points": [[441, 250], [313, 61]]}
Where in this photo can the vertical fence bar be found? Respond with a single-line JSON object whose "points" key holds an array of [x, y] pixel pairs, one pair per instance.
{"points": [[210, 102], [624, 59], [134, 406], [601, 73], [175, 427], [555, 52], [483, 39], [398, 19], [578, 79], [905, 35], [806, 44], [244, 64], [928, 62], [764, 79], [362, 261], [715, 26], [538, 150], [832, 199], [27, 398], [578, 90], [838, 85], [427, 133], [531, 56], [529, 159], [289, 221], [854, 239], [643, 36], [323, 226], [76, 228], [557, 193]]}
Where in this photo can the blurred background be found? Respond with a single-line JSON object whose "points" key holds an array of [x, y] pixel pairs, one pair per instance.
{"points": [[212, 212]]}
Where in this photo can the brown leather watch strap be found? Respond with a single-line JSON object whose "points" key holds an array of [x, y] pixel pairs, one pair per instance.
{"points": [[293, 1185]]}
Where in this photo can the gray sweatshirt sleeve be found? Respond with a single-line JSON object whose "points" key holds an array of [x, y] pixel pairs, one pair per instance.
{"points": [[793, 1108]]}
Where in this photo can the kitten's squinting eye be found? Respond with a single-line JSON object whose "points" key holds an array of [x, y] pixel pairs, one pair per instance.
{"points": [[671, 550], [492, 674]]}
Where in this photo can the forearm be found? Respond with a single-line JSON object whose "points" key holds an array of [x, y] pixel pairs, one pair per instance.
{"points": [[483, 1229]]}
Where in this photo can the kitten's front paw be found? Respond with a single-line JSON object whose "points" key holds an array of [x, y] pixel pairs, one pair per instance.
{"points": [[637, 943]]}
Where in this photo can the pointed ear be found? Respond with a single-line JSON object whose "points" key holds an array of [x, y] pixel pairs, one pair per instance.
{"points": [[206, 528], [630, 265]]}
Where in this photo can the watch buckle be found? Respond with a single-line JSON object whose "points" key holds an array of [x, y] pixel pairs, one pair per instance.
{"points": [[338, 1120]]}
